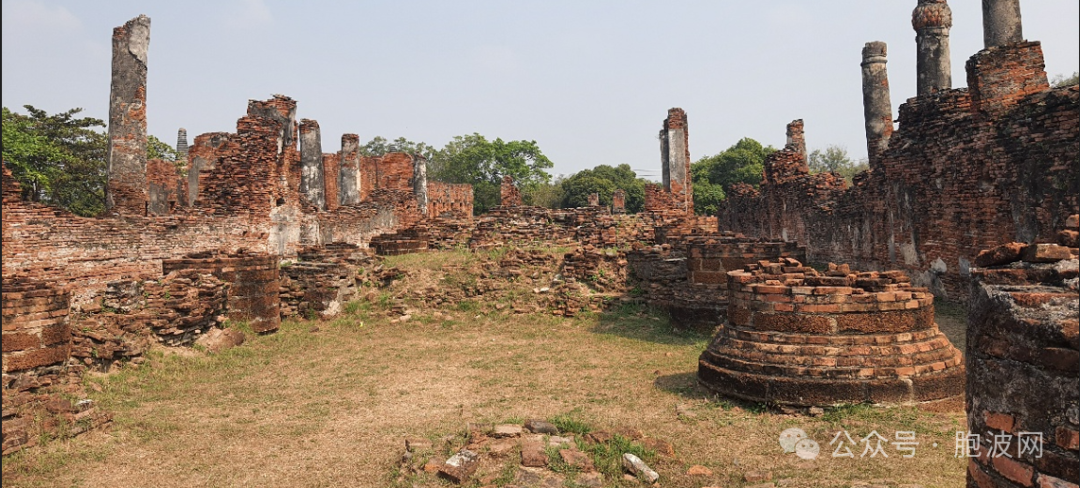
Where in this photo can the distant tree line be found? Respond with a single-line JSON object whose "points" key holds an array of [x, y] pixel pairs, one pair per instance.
{"points": [[60, 160]]}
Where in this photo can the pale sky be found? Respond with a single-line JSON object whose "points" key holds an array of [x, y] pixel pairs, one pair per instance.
{"points": [[590, 81]]}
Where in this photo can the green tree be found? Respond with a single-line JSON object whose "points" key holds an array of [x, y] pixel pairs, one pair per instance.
{"points": [[548, 195], [713, 175], [604, 180], [1061, 81], [379, 146], [157, 149], [474, 159], [834, 159], [58, 159]]}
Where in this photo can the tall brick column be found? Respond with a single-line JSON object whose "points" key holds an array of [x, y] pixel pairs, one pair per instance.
{"points": [[348, 176], [675, 159], [1001, 22], [796, 139], [931, 20], [126, 190], [312, 185], [877, 106]]}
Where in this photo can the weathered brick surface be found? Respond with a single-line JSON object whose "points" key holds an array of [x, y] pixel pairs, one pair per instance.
{"points": [[166, 187], [450, 200], [1023, 355], [509, 194], [967, 170], [126, 190], [35, 325], [801, 337], [254, 287]]}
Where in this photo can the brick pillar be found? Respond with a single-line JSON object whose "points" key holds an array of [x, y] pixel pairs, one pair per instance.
{"points": [[348, 175], [312, 185], [675, 159], [931, 20], [618, 202], [509, 195], [796, 141], [877, 106], [1001, 23], [126, 190], [594, 199], [419, 183]]}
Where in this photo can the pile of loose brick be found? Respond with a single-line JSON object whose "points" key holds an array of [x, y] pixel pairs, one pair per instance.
{"points": [[1023, 355], [798, 336], [482, 457]]}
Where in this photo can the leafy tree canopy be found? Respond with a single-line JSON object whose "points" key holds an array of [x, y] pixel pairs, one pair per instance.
{"points": [[380, 146], [58, 159], [157, 149], [713, 176], [476, 160], [1061, 81], [834, 159], [604, 180]]}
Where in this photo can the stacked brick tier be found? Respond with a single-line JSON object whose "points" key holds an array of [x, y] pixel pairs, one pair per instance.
{"points": [[797, 336], [1022, 367], [254, 291], [688, 277], [36, 333], [405, 241]]}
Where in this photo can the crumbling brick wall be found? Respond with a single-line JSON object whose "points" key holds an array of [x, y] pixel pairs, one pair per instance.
{"points": [[967, 169], [167, 187], [450, 200], [254, 291], [36, 332], [1022, 356]]}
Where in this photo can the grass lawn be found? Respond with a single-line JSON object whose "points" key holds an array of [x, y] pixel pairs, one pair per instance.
{"points": [[329, 404]]}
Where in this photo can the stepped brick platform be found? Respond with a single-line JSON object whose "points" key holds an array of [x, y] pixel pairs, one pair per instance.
{"points": [[796, 336], [1023, 363]]}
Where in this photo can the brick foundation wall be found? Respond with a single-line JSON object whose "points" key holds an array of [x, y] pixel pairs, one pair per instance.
{"points": [[167, 187], [1022, 367], [253, 278], [796, 336], [36, 332], [966, 170]]}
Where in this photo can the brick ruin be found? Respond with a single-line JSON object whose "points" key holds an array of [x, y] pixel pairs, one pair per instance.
{"points": [[260, 225], [1022, 358], [801, 337], [966, 169]]}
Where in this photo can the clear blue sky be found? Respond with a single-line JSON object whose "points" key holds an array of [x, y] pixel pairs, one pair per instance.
{"points": [[590, 81]]}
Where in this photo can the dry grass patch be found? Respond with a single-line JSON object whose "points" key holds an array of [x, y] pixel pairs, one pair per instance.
{"points": [[331, 407]]}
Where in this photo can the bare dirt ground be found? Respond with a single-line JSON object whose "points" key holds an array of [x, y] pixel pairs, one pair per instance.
{"points": [[329, 404]]}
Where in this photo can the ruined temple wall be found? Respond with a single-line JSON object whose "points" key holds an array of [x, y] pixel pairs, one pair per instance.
{"points": [[450, 199], [167, 187], [331, 174], [953, 180]]}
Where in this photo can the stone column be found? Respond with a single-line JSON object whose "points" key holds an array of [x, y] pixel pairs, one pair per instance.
{"points": [[419, 183], [618, 202], [675, 159], [877, 106], [182, 144], [1001, 22], [348, 176], [126, 189], [312, 184], [931, 20]]}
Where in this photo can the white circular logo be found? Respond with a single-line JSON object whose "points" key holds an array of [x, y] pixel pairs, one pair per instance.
{"points": [[790, 437], [807, 449]]}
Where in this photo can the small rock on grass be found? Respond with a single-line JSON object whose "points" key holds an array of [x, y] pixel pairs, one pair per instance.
{"points": [[698, 470], [541, 427], [638, 468], [460, 466], [757, 476]]}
